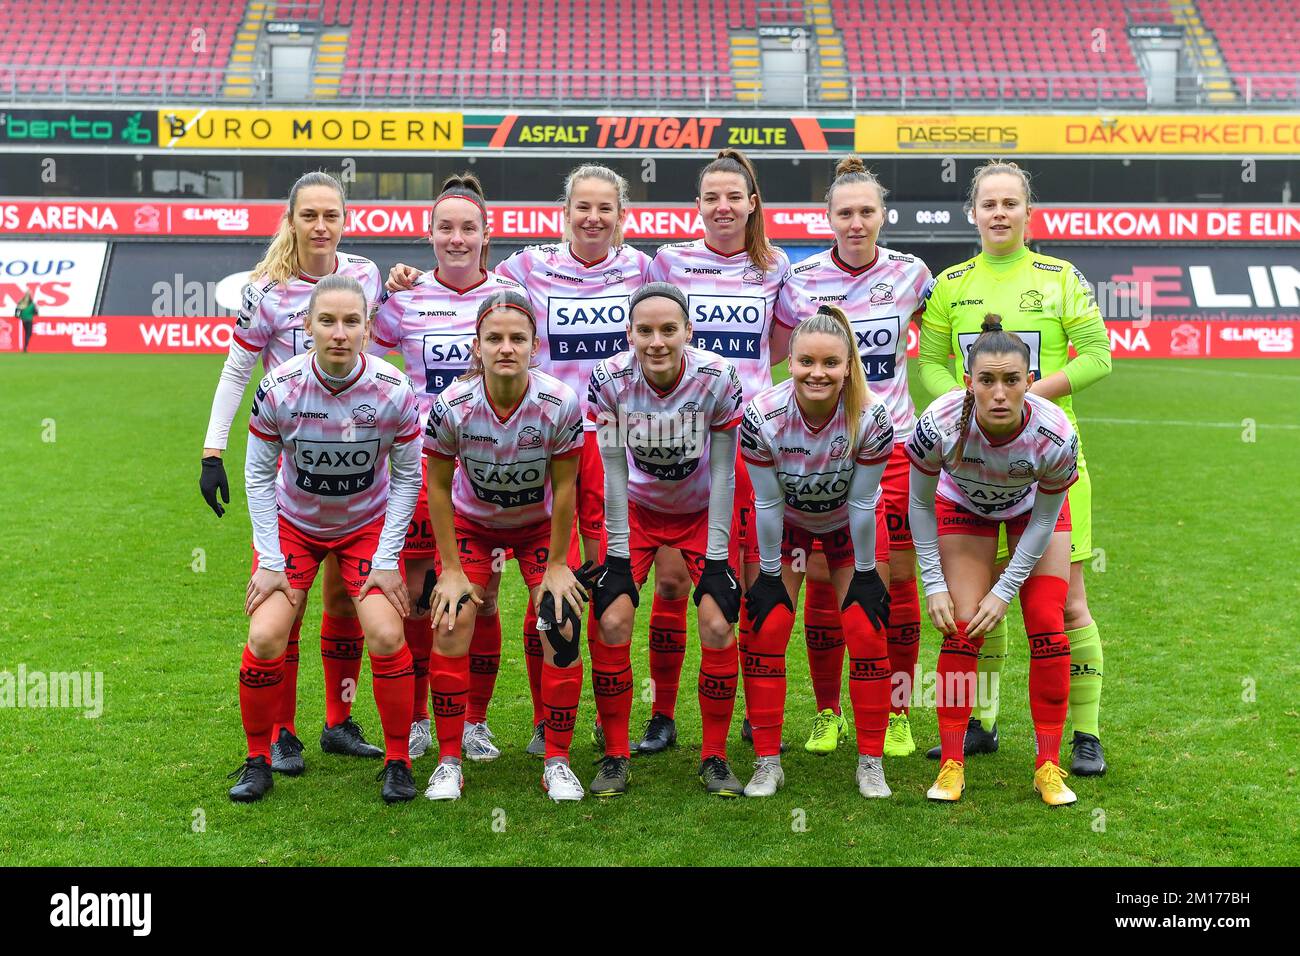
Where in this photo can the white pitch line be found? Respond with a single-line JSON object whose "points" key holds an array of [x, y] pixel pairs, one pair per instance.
{"points": [[1155, 366], [1174, 421]]}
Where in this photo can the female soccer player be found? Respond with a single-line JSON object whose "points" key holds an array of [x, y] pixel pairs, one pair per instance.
{"points": [[1047, 302], [579, 291], [431, 319], [671, 410], [270, 327], [731, 278], [330, 420], [517, 436], [817, 445], [881, 291], [998, 456]]}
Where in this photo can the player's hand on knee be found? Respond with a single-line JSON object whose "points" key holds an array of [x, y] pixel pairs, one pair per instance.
{"points": [[212, 479], [449, 594], [764, 596], [719, 582], [939, 606], [388, 582], [565, 589], [401, 277], [868, 591], [262, 585], [991, 610], [562, 631], [614, 578]]}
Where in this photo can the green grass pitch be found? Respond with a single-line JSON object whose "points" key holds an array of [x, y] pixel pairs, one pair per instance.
{"points": [[116, 566]]}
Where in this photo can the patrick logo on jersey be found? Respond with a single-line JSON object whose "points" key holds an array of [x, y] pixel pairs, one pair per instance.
{"points": [[335, 468], [507, 484]]}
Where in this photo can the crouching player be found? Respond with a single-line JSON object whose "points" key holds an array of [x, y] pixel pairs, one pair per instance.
{"points": [[671, 410], [817, 445], [1011, 465], [339, 417], [517, 434]]}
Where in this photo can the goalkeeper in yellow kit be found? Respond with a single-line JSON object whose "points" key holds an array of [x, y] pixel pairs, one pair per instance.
{"points": [[1048, 304]]}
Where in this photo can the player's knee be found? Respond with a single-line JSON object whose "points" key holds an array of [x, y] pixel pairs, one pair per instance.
{"points": [[266, 642], [673, 586], [1076, 613], [386, 639], [715, 631], [616, 623], [489, 606]]}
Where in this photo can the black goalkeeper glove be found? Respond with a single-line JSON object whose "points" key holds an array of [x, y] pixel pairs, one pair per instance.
{"points": [[763, 596], [425, 601], [870, 593], [719, 582], [613, 578], [213, 479]]}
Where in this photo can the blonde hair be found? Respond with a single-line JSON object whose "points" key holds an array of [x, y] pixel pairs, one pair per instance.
{"points": [[280, 261], [997, 167], [505, 299], [605, 175], [852, 170], [466, 186], [830, 320], [757, 244]]}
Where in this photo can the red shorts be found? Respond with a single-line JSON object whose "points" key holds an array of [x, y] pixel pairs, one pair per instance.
{"points": [[742, 517], [591, 489], [484, 551], [894, 488], [955, 519], [304, 553], [837, 545], [652, 530], [420, 544]]}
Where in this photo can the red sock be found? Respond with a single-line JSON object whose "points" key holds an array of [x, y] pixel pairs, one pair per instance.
{"points": [[667, 650], [611, 684], [825, 635], [868, 680], [393, 678], [744, 631], [958, 656], [561, 690], [593, 638], [419, 639], [763, 664], [1042, 601], [904, 640], [341, 643], [449, 677], [289, 689], [484, 662], [259, 700], [717, 691], [533, 660]]}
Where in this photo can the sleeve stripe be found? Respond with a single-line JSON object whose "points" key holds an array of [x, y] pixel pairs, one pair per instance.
{"points": [[1057, 491], [919, 467], [433, 453], [731, 424], [403, 439], [244, 345], [567, 454], [873, 461], [387, 345], [263, 435]]}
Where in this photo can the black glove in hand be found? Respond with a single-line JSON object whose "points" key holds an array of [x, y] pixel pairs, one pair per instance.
{"points": [[213, 479], [870, 593], [425, 601], [763, 596], [587, 574], [613, 578], [719, 582], [566, 649]]}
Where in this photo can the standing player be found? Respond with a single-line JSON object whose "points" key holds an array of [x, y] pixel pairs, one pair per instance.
{"points": [[516, 434], [881, 291], [671, 410], [817, 445], [999, 457], [330, 420], [430, 317], [731, 278], [270, 327], [1047, 302], [579, 291]]}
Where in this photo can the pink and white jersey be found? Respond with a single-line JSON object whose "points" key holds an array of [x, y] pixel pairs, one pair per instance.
{"points": [[581, 306], [814, 465], [432, 324], [731, 301], [504, 476], [667, 433], [996, 476], [879, 300], [334, 471], [272, 314]]}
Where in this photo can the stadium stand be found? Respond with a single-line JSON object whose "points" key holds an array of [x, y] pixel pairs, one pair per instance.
{"points": [[1249, 50]]}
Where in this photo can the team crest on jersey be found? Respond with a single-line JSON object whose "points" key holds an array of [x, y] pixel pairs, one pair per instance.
{"points": [[1020, 468], [689, 408], [364, 416], [753, 275], [613, 276], [1031, 301], [839, 446], [882, 292], [530, 437]]}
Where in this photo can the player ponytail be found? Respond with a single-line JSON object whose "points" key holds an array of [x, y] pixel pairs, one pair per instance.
{"points": [[992, 340], [757, 245], [505, 299], [280, 261], [605, 175], [848, 172], [466, 186], [831, 320]]}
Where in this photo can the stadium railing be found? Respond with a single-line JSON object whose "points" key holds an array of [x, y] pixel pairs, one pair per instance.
{"points": [[132, 86]]}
